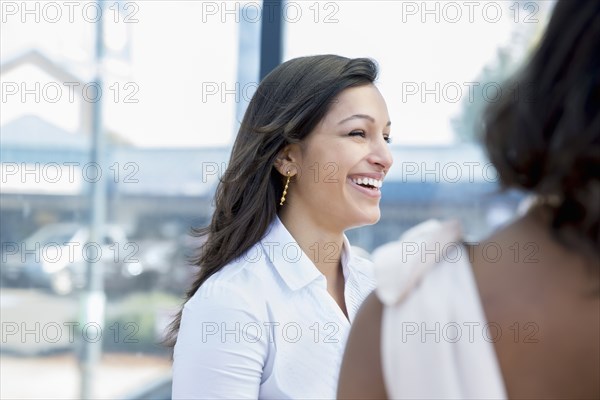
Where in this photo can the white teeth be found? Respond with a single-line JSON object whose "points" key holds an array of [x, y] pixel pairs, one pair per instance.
{"points": [[368, 181]]}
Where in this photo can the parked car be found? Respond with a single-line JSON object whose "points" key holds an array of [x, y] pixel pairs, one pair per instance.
{"points": [[57, 255], [182, 272], [167, 263], [155, 256]]}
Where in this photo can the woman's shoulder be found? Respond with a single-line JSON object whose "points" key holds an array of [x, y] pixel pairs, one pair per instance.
{"points": [[431, 251], [242, 281]]}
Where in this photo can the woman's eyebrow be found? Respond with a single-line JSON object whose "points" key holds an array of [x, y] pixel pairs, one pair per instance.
{"points": [[361, 116]]}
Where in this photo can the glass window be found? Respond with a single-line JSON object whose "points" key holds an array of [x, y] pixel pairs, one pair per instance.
{"points": [[169, 101], [176, 79]]}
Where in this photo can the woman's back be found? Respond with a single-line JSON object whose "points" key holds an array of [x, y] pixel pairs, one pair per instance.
{"points": [[537, 281], [545, 299]]}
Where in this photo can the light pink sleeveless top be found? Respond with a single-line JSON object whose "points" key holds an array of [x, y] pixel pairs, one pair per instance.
{"points": [[435, 340]]}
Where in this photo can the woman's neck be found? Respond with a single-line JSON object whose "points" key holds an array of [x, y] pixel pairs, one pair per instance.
{"points": [[323, 246]]}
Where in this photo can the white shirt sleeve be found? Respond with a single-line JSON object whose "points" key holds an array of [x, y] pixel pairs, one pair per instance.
{"points": [[221, 347]]}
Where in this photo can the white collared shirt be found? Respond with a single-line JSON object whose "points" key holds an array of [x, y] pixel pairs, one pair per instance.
{"points": [[265, 326]]}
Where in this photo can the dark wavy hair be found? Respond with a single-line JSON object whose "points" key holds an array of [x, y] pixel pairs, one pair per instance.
{"points": [[546, 140], [287, 106]]}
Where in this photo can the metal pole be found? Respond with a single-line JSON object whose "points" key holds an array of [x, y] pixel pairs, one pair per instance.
{"points": [[270, 39], [93, 298]]}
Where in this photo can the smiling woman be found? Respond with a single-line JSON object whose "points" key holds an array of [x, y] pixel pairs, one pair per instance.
{"points": [[350, 144], [278, 286]]}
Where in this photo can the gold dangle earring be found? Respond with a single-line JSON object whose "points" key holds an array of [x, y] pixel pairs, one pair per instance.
{"points": [[285, 189]]}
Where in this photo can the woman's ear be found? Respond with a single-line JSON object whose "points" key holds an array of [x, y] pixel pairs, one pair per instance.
{"points": [[288, 159]]}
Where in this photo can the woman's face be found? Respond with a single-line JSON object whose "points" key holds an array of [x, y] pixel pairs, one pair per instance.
{"points": [[341, 165]]}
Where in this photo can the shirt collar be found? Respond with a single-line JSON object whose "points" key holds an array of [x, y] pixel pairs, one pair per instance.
{"points": [[293, 265], [346, 258]]}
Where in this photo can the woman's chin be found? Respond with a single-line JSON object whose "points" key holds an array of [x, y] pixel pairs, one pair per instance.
{"points": [[367, 218]]}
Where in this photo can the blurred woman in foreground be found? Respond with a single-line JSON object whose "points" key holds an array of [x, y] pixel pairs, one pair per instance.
{"points": [[525, 323]]}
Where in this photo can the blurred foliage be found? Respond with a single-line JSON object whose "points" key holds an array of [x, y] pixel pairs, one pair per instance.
{"points": [[524, 39], [469, 122]]}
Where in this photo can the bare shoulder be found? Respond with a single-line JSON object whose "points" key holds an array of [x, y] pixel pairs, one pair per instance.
{"points": [[361, 375]]}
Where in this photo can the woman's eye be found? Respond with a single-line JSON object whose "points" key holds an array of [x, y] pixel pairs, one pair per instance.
{"points": [[387, 138], [357, 133]]}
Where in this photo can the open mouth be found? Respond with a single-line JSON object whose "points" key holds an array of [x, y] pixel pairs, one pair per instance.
{"points": [[367, 186], [368, 183]]}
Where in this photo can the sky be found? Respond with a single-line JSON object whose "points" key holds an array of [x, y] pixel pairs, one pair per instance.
{"points": [[171, 66]]}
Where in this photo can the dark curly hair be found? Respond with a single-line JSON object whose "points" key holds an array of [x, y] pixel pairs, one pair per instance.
{"points": [[548, 142]]}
